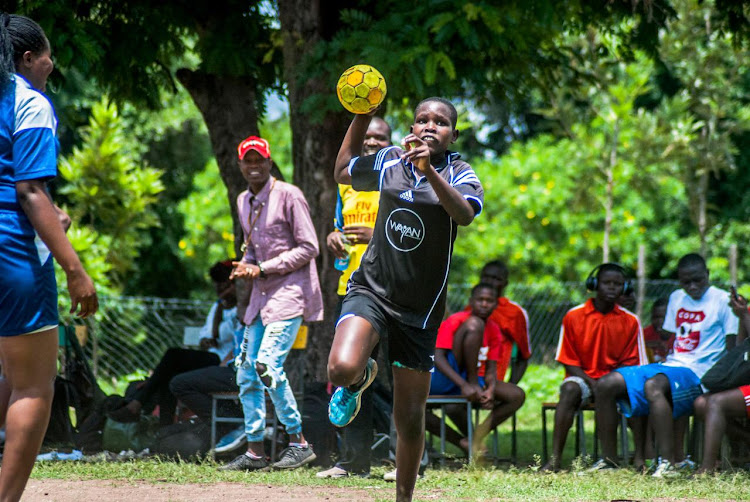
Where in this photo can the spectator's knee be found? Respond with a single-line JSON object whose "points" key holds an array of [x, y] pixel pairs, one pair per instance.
{"points": [[474, 324], [570, 395], [517, 397], [607, 387], [700, 405], [656, 387], [265, 375]]}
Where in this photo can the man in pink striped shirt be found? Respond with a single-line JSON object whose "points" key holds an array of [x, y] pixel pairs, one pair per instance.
{"points": [[278, 258]]}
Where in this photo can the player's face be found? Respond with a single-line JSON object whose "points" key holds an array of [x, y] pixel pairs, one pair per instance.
{"points": [[432, 124], [694, 280], [483, 302], [377, 137], [657, 317], [226, 293], [38, 68], [627, 301], [494, 276], [610, 285], [255, 169]]}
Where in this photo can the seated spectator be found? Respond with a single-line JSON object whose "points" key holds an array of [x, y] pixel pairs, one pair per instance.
{"points": [[216, 344], [627, 300], [194, 389], [721, 411], [658, 342], [700, 316], [466, 353], [514, 330], [596, 337]]}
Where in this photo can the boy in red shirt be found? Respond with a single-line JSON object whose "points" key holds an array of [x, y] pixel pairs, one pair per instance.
{"points": [[658, 342], [466, 354], [596, 337]]}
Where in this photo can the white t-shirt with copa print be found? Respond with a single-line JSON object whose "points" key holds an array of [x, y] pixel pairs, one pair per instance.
{"points": [[405, 268], [700, 328]]}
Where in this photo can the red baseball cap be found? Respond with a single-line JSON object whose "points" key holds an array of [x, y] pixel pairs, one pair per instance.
{"points": [[254, 143]]}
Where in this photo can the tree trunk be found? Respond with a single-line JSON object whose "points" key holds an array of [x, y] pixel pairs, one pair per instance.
{"points": [[315, 144], [228, 108], [609, 201]]}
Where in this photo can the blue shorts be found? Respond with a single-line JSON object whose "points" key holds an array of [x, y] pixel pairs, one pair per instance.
{"points": [[441, 385], [684, 384], [28, 290]]}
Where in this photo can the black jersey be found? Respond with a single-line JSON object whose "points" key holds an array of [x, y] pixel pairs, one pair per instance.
{"points": [[405, 267]]}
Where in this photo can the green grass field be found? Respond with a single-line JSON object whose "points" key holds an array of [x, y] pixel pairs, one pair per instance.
{"points": [[464, 482]]}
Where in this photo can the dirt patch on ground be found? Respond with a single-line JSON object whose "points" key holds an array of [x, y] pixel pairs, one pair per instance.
{"points": [[58, 490]]}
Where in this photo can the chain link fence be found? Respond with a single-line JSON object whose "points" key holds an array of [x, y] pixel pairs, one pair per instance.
{"points": [[130, 334]]}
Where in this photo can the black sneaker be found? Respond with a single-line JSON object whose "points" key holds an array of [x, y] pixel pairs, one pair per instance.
{"points": [[294, 456], [245, 463]]}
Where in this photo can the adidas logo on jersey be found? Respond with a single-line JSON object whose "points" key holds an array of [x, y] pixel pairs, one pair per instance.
{"points": [[407, 196]]}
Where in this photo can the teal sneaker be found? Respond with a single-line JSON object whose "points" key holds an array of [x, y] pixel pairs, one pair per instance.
{"points": [[345, 402]]}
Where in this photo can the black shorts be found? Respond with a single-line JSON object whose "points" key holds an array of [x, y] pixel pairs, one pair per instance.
{"points": [[408, 347]]}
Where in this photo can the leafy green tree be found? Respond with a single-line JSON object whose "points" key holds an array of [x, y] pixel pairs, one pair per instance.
{"points": [[710, 108], [109, 195]]}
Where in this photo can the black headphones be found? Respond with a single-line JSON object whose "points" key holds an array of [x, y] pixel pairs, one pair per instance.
{"points": [[592, 281]]}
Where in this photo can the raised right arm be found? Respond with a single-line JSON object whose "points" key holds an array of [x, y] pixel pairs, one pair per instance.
{"points": [[351, 147]]}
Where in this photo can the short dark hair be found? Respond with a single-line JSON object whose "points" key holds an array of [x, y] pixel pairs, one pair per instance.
{"points": [[220, 271], [387, 125], [483, 285], [691, 260], [18, 34], [660, 302], [452, 109], [499, 264], [611, 267]]}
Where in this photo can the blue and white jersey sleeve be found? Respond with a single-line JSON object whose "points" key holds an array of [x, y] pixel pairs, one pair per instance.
{"points": [[367, 172], [466, 182], [34, 142]]}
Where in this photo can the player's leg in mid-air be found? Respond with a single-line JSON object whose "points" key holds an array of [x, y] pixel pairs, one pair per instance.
{"points": [[350, 367]]}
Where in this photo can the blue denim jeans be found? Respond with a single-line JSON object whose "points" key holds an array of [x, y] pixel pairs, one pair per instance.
{"points": [[268, 345]]}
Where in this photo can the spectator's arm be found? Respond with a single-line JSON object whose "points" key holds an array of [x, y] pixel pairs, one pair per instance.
{"points": [[739, 308], [487, 397], [305, 237], [471, 392], [517, 370]]}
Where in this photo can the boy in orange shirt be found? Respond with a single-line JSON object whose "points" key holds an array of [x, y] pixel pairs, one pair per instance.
{"points": [[596, 337]]}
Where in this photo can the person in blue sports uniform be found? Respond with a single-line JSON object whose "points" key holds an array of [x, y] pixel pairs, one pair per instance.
{"points": [[399, 289], [31, 233]]}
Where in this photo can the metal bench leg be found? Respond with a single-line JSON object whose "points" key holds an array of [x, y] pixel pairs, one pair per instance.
{"points": [[213, 427], [580, 435], [442, 435], [624, 439], [469, 428], [544, 435]]}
